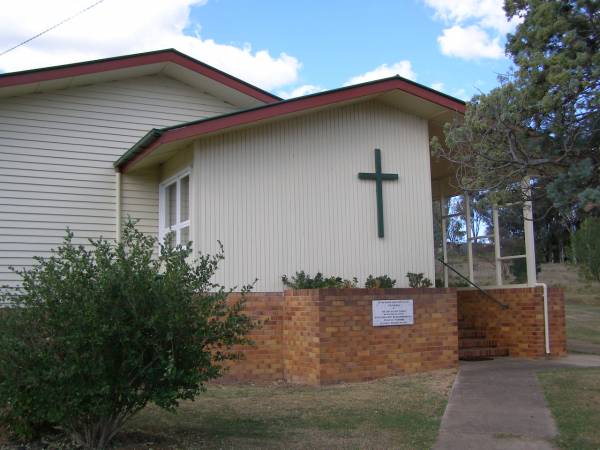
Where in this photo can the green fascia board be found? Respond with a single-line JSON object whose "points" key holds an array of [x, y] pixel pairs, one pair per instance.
{"points": [[140, 145]]}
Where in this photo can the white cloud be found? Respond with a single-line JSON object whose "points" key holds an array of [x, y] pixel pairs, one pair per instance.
{"points": [[486, 13], [402, 68], [299, 91], [117, 27], [469, 43], [476, 27], [438, 86]]}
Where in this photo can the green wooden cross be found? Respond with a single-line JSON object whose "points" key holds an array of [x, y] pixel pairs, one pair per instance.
{"points": [[379, 178]]}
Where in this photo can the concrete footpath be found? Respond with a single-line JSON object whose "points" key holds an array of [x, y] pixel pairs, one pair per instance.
{"points": [[499, 404]]}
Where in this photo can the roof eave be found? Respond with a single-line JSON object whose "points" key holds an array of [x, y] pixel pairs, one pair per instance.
{"points": [[285, 107], [32, 76]]}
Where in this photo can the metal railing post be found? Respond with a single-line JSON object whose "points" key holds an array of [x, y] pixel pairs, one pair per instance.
{"points": [[469, 236], [444, 213], [497, 253]]}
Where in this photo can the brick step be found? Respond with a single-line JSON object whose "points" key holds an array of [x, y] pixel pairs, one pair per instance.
{"points": [[479, 353], [471, 333], [476, 343]]}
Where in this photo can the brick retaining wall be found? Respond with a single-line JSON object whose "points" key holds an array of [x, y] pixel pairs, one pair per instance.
{"points": [[353, 350], [326, 336], [520, 328], [264, 360]]}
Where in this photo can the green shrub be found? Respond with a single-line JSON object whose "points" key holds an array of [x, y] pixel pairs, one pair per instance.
{"points": [[518, 268], [382, 281], [302, 280], [457, 283], [418, 280], [586, 248], [99, 332]]}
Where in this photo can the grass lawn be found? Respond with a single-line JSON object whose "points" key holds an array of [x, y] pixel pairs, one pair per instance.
{"points": [[399, 412], [574, 399], [583, 323], [582, 304]]}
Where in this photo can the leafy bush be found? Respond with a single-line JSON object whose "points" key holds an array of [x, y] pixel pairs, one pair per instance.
{"points": [[518, 268], [457, 283], [418, 280], [382, 281], [586, 248], [98, 333], [302, 280]]}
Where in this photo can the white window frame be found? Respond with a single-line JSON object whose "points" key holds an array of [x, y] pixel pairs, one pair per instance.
{"points": [[162, 213]]}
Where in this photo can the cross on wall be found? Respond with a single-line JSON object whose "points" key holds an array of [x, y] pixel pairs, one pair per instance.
{"points": [[379, 177]]}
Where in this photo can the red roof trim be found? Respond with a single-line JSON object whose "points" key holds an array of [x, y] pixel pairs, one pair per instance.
{"points": [[215, 124], [141, 59]]}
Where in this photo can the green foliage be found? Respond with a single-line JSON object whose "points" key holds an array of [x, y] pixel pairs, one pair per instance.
{"points": [[302, 280], [518, 268], [543, 120], [586, 247], [98, 332], [382, 282], [418, 280]]}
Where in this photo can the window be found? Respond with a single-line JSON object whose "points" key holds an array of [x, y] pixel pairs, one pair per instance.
{"points": [[175, 208]]}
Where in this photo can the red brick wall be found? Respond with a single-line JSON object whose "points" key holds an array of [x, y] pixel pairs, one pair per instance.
{"points": [[301, 337], [353, 350], [326, 336], [263, 361], [557, 321], [521, 326]]}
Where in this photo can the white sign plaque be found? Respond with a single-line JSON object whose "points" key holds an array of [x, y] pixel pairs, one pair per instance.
{"points": [[392, 312]]}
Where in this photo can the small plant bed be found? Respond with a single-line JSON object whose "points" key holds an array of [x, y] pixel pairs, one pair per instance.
{"points": [[303, 280], [398, 412], [574, 399]]}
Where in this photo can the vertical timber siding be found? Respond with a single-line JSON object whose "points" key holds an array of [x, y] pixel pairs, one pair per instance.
{"points": [[286, 196], [56, 155]]}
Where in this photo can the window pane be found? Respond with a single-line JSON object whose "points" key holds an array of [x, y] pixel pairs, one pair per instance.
{"points": [[171, 206], [185, 198], [185, 235]]}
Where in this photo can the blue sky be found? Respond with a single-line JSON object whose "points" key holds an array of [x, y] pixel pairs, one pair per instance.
{"points": [[336, 40], [289, 48]]}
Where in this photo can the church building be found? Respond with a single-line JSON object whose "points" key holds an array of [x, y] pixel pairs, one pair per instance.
{"points": [[340, 182]]}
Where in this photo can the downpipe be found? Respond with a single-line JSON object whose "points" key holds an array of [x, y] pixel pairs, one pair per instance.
{"points": [[546, 324]]}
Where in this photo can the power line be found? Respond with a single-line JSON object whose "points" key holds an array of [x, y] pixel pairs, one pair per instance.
{"points": [[51, 28]]}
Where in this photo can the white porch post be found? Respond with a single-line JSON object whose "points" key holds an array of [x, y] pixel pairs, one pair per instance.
{"points": [[497, 254], [444, 213], [118, 206], [529, 235], [469, 236]]}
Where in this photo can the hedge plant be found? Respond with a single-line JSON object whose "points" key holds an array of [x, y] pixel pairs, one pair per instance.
{"points": [[303, 280], [586, 248], [382, 282], [98, 332], [418, 280]]}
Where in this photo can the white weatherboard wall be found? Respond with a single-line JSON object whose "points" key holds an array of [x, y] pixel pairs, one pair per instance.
{"points": [[56, 155], [286, 196]]}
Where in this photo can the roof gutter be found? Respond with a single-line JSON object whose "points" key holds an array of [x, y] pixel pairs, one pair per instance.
{"points": [[149, 138]]}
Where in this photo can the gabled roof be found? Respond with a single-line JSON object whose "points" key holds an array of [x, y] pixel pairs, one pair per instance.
{"points": [[407, 94], [168, 61]]}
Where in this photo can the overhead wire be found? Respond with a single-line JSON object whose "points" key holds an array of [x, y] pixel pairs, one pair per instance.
{"points": [[26, 41]]}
